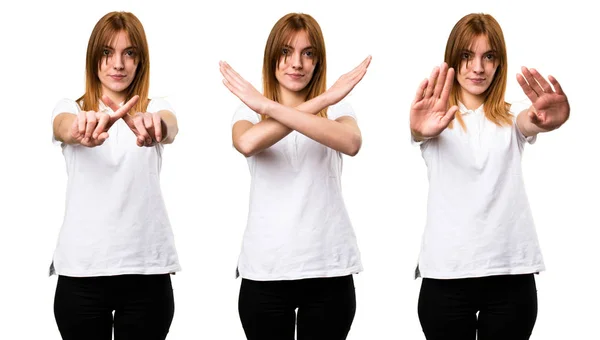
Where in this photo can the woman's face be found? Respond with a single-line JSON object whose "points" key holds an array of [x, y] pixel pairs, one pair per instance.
{"points": [[477, 68], [296, 67], [118, 66]]}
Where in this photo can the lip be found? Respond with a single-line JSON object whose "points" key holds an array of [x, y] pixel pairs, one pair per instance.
{"points": [[295, 75], [477, 80], [117, 76]]}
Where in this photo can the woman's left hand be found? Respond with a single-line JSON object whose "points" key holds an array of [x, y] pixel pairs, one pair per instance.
{"points": [[243, 89], [549, 107]]}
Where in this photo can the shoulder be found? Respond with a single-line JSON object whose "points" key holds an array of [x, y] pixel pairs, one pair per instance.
{"points": [[243, 112], [66, 105], [156, 104], [343, 108], [517, 106]]}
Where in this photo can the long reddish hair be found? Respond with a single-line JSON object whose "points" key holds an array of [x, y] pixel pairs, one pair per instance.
{"points": [[103, 34], [280, 35], [462, 36]]}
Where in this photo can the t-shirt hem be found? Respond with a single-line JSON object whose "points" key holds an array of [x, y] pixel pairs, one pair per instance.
{"points": [[114, 272], [300, 276], [474, 274]]}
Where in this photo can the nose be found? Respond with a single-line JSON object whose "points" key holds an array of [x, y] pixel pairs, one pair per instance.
{"points": [[297, 60], [477, 65], [118, 62]]}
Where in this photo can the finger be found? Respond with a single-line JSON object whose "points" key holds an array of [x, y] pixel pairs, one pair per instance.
{"points": [[157, 126], [449, 115], [557, 88], [441, 80], [101, 126], [233, 77], [123, 110], [75, 128], [147, 121], [143, 135], [102, 136], [361, 68], [108, 102], [230, 87], [531, 81], [448, 83], [431, 83], [421, 91], [541, 81], [81, 118], [527, 89]]}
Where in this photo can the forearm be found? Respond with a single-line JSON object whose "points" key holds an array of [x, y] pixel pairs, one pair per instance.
{"points": [[345, 138], [525, 125], [169, 126], [62, 128], [270, 131]]}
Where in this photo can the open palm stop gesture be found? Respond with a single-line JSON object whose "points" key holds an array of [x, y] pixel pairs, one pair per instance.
{"points": [[429, 112]]}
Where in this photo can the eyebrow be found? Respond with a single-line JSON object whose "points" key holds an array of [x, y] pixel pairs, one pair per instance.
{"points": [[304, 49], [126, 48], [486, 52]]}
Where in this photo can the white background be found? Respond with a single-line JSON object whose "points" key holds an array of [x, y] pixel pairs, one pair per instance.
{"points": [[206, 182]]}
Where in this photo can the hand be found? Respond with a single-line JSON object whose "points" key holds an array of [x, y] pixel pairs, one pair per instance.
{"points": [[346, 83], [429, 113], [90, 128], [549, 107], [147, 127], [243, 89]]}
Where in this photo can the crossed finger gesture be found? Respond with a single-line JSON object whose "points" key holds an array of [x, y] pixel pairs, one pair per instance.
{"points": [[147, 127], [90, 128]]}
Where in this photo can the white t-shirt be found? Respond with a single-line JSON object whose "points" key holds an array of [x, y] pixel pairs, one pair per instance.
{"points": [[115, 218], [298, 226], [478, 218]]}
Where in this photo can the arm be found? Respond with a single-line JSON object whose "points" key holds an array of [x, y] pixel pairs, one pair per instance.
{"points": [[168, 126], [61, 127], [342, 135], [250, 139], [549, 107]]}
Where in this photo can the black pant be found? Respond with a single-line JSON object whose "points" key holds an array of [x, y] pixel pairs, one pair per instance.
{"points": [[143, 307], [507, 307], [326, 308]]}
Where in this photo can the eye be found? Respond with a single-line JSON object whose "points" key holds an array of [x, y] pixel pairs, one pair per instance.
{"points": [[309, 54], [105, 52], [490, 56], [130, 53], [465, 56], [285, 51]]}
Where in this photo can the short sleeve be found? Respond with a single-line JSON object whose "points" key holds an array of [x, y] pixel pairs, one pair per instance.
{"points": [[339, 110], [63, 106], [245, 113], [159, 104], [516, 108]]}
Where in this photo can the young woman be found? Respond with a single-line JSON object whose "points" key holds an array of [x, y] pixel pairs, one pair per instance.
{"points": [[480, 248], [115, 250], [299, 250]]}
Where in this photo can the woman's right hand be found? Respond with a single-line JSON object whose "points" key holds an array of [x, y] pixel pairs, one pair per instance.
{"points": [[429, 112], [90, 128], [347, 82]]}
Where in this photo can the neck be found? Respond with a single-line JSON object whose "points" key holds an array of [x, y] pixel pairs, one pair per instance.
{"points": [[290, 98], [470, 101], [116, 97]]}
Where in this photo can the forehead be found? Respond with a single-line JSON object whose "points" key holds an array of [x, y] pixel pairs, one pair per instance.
{"points": [[299, 40], [119, 40], [480, 44]]}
